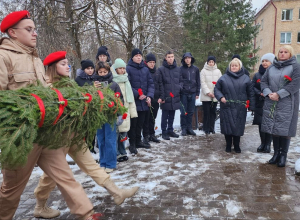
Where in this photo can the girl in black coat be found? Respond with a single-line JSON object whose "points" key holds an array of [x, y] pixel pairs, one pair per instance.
{"points": [[86, 73], [265, 138], [107, 135], [233, 90]]}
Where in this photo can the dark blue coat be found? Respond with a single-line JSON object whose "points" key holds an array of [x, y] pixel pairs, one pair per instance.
{"points": [[259, 100], [157, 84], [191, 78], [172, 82], [140, 78], [237, 87], [83, 78]]}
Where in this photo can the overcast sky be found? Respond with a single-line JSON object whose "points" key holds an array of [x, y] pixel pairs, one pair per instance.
{"points": [[258, 3]]}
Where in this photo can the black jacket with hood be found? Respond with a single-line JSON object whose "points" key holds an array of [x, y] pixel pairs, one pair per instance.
{"points": [[190, 76]]}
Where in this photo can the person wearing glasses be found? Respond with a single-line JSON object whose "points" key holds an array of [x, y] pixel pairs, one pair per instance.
{"points": [[20, 66]]}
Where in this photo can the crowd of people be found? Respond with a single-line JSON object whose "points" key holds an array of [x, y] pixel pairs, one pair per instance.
{"points": [[272, 94]]}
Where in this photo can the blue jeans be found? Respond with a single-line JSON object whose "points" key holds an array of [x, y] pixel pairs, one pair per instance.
{"points": [[107, 141], [188, 101], [121, 145], [167, 119]]}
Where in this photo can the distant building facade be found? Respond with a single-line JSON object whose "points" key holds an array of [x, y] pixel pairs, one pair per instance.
{"points": [[279, 22]]}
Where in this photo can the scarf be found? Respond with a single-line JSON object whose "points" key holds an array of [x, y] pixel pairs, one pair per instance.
{"points": [[124, 79]]}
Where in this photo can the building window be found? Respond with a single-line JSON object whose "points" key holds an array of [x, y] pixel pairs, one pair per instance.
{"points": [[285, 37], [298, 58], [287, 15], [262, 24], [298, 38]]}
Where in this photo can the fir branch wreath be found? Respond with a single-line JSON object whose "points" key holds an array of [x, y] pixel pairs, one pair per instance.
{"points": [[70, 117]]}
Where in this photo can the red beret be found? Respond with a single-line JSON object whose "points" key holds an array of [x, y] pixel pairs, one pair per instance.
{"points": [[13, 18], [53, 57]]}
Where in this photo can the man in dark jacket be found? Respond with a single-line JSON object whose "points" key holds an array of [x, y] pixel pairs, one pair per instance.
{"points": [[190, 92], [149, 125], [172, 85], [143, 91]]}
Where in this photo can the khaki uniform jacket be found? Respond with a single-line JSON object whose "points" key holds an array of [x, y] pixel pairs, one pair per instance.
{"points": [[208, 75], [20, 65]]}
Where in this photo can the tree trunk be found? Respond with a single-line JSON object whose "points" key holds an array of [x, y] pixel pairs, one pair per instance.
{"points": [[73, 32]]}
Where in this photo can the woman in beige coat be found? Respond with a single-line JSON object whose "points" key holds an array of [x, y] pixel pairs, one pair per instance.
{"points": [[121, 77], [209, 76]]}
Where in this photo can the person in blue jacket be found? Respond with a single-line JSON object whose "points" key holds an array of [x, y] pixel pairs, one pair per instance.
{"points": [[143, 91]]}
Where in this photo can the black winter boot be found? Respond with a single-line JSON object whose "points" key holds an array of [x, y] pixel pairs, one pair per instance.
{"points": [[183, 132], [228, 139], [173, 134], [275, 157], [284, 147], [190, 132], [141, 144], [268, 141], [236, 144], [132, 148], [153, 138], [165, 135], [146, 140], [263, 139]]}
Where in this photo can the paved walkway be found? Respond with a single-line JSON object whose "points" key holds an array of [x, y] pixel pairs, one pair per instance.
{"points": [[192, 178]]}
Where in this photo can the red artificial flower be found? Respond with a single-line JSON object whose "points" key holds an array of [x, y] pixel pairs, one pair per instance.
{"points": [[258, 81], [124, 116], [124, 139], [111, 104], [186, 113], [90, 97], [172, 95], [156, 127], [214, 82], [247, 102], [288, 78], [140, 91], [117, 95]]}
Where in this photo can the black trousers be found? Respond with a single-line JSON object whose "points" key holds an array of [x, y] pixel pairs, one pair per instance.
{"points": [[235, 139], [149, 125], [209, 116], [136, 125]]}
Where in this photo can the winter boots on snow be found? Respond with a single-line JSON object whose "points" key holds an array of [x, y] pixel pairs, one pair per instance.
{"points": [[281, 147], [266, 140]]}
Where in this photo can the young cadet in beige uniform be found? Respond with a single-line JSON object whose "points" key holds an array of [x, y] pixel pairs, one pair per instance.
{"points": [[57, 67], [20, 66]]}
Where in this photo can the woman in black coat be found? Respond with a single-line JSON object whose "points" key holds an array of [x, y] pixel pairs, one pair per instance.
{"points": [[265, 138], [233, 90]]}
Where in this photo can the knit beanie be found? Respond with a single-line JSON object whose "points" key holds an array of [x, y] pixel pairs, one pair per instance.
{"points": [[135, 52], [213, 58], [103, 51], [150, 57], [236, 56], [86, 63], [268, 56], [119, 63]]}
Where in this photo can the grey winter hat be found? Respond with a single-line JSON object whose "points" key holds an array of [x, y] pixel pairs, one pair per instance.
{"points": [[268, 56]]}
